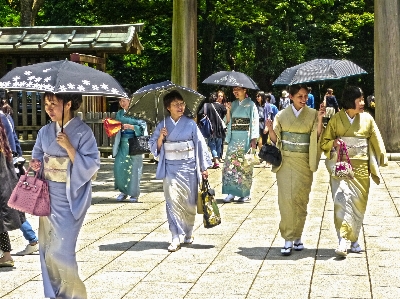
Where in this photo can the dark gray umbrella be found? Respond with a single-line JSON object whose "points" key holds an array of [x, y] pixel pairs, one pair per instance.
{"points": [[147, 102], [318, 70], [62, 77], [231, 78]]}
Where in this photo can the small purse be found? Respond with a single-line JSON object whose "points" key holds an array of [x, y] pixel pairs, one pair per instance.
{"points": [[139, 145], [31, 195], [251, 157], [343, 169], [112, 126], [211, 215], [271, 154]]}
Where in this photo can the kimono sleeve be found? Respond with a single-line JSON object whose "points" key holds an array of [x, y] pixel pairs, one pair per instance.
{"points": [[80, 173], [328, 136], [255, 123]]}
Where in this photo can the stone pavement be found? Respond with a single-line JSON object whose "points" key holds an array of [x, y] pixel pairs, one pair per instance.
{"points": [[122, 248]]}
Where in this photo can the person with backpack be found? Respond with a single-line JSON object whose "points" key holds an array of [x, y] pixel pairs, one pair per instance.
{"points": [[215, 113]]}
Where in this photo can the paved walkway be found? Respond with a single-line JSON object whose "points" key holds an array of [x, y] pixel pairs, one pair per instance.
{"points": [[122, 248]]}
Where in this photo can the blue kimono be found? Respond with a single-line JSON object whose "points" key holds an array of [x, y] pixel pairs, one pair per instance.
{"points": [[69, 201], [128, 169], [242, 128], [181, 177]]}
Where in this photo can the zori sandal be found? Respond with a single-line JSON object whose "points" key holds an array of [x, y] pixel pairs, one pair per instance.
{"points": [[286, 251], [298, 246], [356, 248], [174, 247]]}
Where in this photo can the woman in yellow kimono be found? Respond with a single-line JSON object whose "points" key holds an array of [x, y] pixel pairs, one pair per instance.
{"points": [[295, 131], [366, 151]]}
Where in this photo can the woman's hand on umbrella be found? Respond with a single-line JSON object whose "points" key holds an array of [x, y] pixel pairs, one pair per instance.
{"points": [[35, 164], [204, 174], [63, 140], [163, 133], [321, 111]]}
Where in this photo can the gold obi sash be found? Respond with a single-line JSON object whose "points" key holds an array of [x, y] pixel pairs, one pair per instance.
{"points": [[240, 124], [55, 168], [179, 150], [357, 147], [295, 142]]}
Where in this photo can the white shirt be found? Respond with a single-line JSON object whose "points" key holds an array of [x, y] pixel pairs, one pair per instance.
{"points": [[349, 118]]}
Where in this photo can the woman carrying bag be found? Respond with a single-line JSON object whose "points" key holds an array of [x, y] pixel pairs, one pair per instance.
{"points": [[359, 133], [127, 169]]}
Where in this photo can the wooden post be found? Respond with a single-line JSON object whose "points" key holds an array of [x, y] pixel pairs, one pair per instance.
{"points": [[387, 66], [184, 43]]}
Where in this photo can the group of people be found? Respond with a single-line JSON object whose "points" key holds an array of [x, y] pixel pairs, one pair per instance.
{"points": [[183, 160]]}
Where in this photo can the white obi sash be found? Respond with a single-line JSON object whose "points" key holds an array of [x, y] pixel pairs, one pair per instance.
{"points": [[357, 147], [179, 150], [55, 168]]}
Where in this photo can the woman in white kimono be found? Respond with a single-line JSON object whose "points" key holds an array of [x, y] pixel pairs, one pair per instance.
{"points": [[295, 131], [127, 169], [183, 162], [67, 152], [366, 151], [242, 133]]}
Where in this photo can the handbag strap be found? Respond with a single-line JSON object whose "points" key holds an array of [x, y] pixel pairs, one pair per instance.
{"points": [[343, 149], [217, 113]]}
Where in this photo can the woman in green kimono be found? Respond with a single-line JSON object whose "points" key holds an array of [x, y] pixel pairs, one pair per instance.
{"points": [[127, 169], [366, 151], [295, 131], [242, 133]]}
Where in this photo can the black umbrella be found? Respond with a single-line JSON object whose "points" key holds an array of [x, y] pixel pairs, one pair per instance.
{"points": [[62, 77], [147, 102], [231, 78], [318, 70]]}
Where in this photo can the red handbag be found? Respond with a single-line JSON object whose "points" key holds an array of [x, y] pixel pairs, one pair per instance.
{"points": [[112, 126], [31, 195]]}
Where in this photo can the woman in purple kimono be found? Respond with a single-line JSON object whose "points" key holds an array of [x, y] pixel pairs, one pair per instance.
{"points": [[183, 162], [67, 152]]}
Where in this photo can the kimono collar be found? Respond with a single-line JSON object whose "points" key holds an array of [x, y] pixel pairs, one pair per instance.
{"points": [[349, 118], [296, 113], [58, 128], [175, 122]]}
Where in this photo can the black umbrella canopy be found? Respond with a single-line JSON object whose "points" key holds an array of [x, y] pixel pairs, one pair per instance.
{"points": [[62, 77], [318, 70], [147, 102], [231, 78]]}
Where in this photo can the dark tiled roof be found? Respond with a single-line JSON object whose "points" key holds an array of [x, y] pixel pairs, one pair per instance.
{"points": [[70, 39]]}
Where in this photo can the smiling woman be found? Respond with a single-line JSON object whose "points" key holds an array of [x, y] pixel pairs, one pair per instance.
{"points": [[295, 131]]}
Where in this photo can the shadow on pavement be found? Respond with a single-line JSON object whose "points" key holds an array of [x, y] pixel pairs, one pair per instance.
{"points": [[147, 245], [274, 253]]}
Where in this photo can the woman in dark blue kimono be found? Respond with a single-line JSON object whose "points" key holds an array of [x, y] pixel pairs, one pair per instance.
{"points": [[67, 152]]}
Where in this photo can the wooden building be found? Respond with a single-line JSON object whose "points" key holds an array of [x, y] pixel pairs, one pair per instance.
{"points": [[88, 45]]}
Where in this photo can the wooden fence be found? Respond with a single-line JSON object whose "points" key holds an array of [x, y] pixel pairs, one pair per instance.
{"points": [[95, 121]]}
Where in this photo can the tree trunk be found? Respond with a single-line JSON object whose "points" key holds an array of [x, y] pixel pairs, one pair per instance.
{"points": [[261, 55], [29, 11], [387, 65], [208, 38], [184, 43]]}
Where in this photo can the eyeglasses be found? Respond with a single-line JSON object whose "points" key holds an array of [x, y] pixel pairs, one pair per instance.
{"points": [[180, 104]]}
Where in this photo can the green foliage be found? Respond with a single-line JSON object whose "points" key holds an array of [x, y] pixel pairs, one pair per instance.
{"points": [[258, 37], [9, 15]]}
